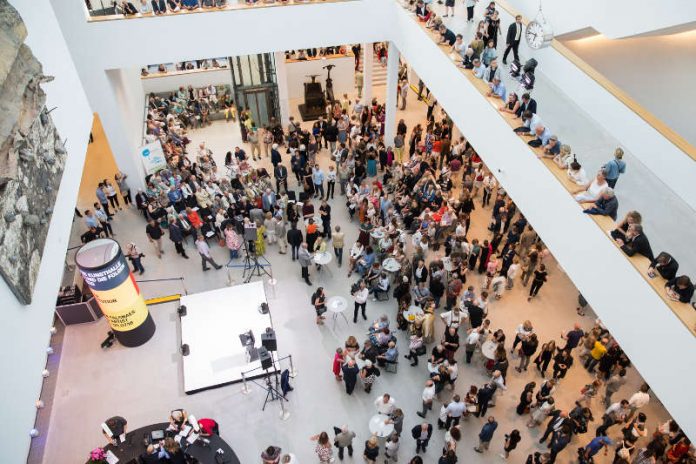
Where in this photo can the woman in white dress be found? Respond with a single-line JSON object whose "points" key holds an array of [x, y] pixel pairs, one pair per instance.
{"points": [[592, 190]]}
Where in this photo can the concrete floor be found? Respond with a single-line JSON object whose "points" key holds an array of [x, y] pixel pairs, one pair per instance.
{"points": [[145, 383]]}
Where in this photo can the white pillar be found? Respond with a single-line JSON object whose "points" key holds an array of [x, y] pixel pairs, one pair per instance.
{"points": [[392, 89], [282, 82], [368, 54]]}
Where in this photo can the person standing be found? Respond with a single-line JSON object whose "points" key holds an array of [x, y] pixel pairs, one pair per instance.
{"points": [[486, 434], [638, 400], [338, 242], [101, 196], [305, 259], [617, 413], [454, 411], [514, 35], [614, 168], [120, 179], [344, 439], [422, 433], [559, 441], [295, 239], [371, 452], [403, 93], [323, 450], [103, 220], [391, 448], [318, 181], [281, 176], [204, 251], [427, 397], [540, 276], [350, 377], [154, 234], [470, 4], [176, 235], [133, 253], [613, 384], [360, 297], [325, 214], [331, 182], [359, 82], [511, 441]]}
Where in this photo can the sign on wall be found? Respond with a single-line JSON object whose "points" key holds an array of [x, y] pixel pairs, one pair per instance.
{"points": [[153, 157]]}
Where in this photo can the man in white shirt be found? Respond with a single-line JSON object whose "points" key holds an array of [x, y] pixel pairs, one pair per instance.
{"points": [[499, 380], [204, 251], [638, 400], [360, 297], [614, 414], [453, 318], [385, 404], [427, 396], [472, 341], [454, 411]]}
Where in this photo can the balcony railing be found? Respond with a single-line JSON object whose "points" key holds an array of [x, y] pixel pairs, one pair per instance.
{"points": [[109, 10], [684, 311]]}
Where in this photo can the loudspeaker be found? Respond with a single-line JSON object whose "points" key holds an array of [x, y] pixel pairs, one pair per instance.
{"points": [[250, 232], [181, 311], [268, 340], [263, 309], [303, 197], [185, 350], [265, 358]]}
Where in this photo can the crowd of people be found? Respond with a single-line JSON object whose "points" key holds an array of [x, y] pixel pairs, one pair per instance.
{"points": [[412, 201], [596, 194]]}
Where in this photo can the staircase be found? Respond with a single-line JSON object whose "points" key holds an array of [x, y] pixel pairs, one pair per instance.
{"points": [[379, 72]]}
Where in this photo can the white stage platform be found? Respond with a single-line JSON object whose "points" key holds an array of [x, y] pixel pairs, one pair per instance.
{"points": [[211, 329]]}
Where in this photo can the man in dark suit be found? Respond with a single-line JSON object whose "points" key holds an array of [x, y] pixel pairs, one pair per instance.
{"points": [[422, 433], [665, 265], [527, 104], [558, 420], [281, 176], [514, 35], [636, 242]]}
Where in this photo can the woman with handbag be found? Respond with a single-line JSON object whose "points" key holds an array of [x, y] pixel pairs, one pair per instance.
{"points": [[319, 303]]}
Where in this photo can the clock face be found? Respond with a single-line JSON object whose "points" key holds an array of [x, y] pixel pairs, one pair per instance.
{"points": [[535, 34]]}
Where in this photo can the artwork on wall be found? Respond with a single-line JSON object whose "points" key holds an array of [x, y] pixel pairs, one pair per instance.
{"points": [[32, 158]]}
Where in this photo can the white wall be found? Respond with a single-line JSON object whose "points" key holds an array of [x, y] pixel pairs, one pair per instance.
{"points": [[642, 66], [26, 328], [343, 75], [172, 82], [614, 18], [634, 316]]}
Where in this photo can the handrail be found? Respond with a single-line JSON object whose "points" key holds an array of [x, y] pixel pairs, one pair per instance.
{"points": [[656, 123], [155, 75], [683, 311], [228, 7]]}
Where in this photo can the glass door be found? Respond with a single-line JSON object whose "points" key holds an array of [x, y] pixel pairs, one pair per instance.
{"points": [[255, 87]]}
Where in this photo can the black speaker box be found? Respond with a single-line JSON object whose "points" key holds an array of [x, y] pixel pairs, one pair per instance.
{"points": [[265, 358], [268, 340]]}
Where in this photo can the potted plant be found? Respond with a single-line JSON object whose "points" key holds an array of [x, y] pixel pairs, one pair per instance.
{"points": [[97, 456]]}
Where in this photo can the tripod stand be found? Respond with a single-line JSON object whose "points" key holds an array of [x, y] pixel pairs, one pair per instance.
{"points": [[272, 392], [251, 264]]}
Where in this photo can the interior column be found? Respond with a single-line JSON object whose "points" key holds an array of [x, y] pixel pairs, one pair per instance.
{"points": [[367, 58], [392, 89], [282, 83]]}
